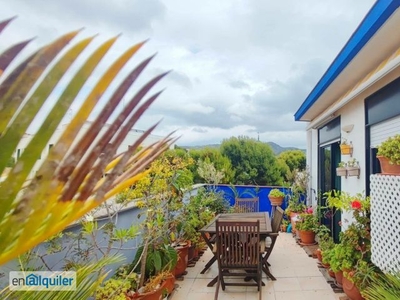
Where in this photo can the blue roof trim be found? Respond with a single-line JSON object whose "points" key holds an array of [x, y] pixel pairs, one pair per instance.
{"points": [[375, 18]]}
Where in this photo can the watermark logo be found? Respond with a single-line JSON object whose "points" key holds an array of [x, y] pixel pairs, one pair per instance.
{"points": [[42, 281]]}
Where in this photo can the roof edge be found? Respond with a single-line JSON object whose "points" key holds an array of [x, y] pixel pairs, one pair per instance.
{"points": [[375, 18]]}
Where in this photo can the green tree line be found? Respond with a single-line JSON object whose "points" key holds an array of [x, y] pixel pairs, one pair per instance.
{"points": [[243, 160]]}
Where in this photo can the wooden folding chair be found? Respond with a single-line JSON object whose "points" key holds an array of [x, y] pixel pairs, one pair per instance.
{"points": [[238, 249], [276, 224], [243, 205]]}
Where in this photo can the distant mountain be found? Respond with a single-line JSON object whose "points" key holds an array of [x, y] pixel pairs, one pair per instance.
{"points": [[279, 149], [201, 147], [275, 147]]}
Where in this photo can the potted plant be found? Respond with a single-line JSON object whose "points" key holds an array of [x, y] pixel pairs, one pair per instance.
{"points": [[341, 257], [294, 207], [353, 256], [346, 148], [341, 169], [307, 226], [114, 289], [154, 289], [182, 247], [159, 258], [384, 286], [284, 225], [353, 168], [124, 285], [325, 241], [276, 197], [389, 155]]}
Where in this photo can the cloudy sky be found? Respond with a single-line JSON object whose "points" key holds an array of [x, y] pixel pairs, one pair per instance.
{"points": [[240, 67]]}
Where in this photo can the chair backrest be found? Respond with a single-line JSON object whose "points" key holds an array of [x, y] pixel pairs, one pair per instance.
{"points": [[238, 244], [243, 205], [277, 219]]}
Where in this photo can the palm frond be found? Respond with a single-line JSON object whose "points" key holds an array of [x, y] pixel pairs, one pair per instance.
{"points": [[37, 201], [384, 287]]}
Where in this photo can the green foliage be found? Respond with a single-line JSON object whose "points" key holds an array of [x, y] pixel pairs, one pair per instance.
{"points": [[161, 192], [196, 214], [276, 193], [159, 258], [113, 289], [254, 162], [383, 287], [294, 159], [284, 170], [294, 205], [308, 222], [343, 257], [363, 275], [391, 149], [125, 234], [11, 162], [325, 242], [353, 254], [208, 172], [215, 201], [220, 162], [345, 202]]}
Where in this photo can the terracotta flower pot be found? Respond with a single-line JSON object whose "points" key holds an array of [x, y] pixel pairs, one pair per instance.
{"points": [[276, 200], [318, 252], [387, 168], [183, 256], [351, 290], [170, 284], [331, 273], [191, 254], [339, 278], [154, 295], [307, 237]]}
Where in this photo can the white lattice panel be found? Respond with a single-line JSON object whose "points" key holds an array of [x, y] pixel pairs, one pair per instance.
{"points": [[385, 221]]}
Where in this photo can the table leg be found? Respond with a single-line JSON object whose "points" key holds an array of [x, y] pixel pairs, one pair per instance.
{"points": [[268, 272], [212, 282], [209, 264], [210, 245]]}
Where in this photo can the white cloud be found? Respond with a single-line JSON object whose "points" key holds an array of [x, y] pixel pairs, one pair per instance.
{"points": [[240, 67]]}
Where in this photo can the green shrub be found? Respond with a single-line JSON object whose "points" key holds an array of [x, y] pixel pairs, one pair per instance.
{"points": [[391, 149]]}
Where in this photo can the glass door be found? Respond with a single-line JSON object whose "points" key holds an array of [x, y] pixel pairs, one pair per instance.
{"points": [[329, 159]]}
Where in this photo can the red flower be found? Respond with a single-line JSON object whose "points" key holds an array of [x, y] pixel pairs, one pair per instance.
{"points": [[309, 210], [356, 204]]}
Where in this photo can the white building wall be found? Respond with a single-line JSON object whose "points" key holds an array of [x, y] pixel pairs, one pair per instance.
{"points": [[312, 163], [354, 114]]}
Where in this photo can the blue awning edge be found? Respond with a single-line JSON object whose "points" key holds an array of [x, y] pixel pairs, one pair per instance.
{"points": [[375, 18]]}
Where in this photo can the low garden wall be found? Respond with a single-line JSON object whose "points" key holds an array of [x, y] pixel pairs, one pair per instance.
{"points": [[231, 192]]}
